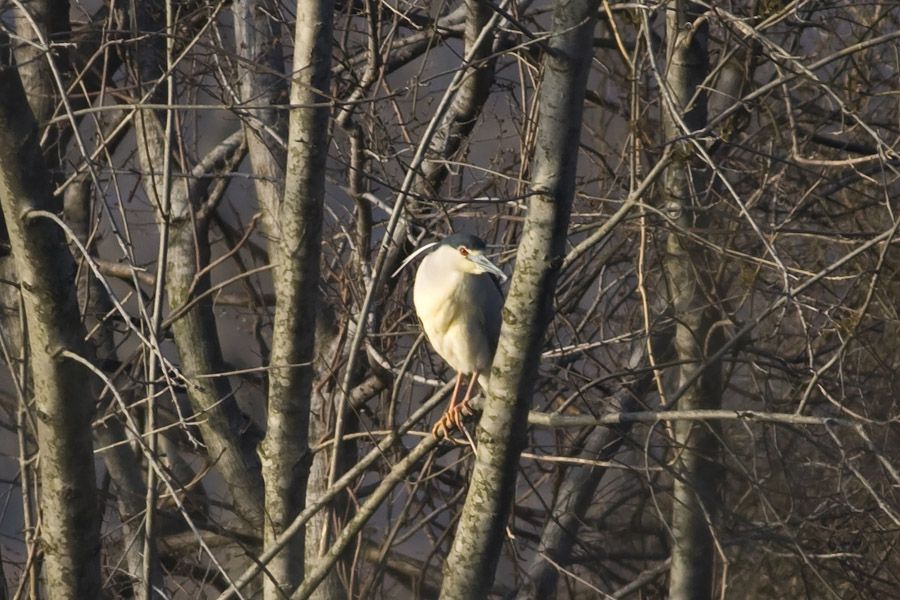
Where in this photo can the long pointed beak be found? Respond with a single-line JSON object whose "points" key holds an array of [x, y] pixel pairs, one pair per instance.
{"points": [[488, 266]]}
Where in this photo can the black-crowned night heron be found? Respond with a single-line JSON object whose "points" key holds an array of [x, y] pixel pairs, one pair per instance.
{"points": [[458, 302]]}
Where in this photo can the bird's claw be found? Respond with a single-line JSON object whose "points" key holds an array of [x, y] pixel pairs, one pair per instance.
{"points": [[452, 419], [439, 429], [457, 412]]}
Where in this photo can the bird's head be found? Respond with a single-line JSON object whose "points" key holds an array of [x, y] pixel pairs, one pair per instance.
{"points": [[460, 252], [465, 252]]}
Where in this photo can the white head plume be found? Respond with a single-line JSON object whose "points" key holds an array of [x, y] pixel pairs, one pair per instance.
{"points": [[413, 257]]}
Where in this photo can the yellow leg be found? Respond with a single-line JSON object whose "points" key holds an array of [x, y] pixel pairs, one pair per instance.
{"points": [[441, 426], [464, 407]]}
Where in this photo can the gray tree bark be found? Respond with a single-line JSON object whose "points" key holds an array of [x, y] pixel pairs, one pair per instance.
{"points": [[295, 230], [122, 464], [224, 427], [258, 39], [321, 425], [194, 331], [469, 569], [63, 396], [38, 20], [688, 279], [460, 119], [258, 34]]}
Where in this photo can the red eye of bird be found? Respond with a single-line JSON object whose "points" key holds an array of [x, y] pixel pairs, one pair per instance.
{"points": [[463, 250]]}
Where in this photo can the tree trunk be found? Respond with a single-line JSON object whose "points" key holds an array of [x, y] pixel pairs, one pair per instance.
{"points": [[460, 119], [122, 464], [39, 20], [258, 39], [62, 391], [321, 426], [688, 279], [229, 441], [258, 34], [195, 334], [469, 569], [295, 231]]}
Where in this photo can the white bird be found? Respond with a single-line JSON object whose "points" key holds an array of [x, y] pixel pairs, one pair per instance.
{"points": [[459, 304]]}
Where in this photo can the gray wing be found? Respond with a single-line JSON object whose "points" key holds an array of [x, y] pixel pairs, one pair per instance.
{"points": [[491, 306]]}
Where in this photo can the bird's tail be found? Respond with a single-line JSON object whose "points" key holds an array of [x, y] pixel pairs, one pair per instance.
{"points": [[483, 379]]}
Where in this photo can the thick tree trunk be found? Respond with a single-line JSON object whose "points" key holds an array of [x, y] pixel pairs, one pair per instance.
{"points": [[63, 395], [295, 231], [688, 279], [258, 34], [122, 464], [38, 20], [469, 569], [321, 426], [229, 441], [195, 334]]}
